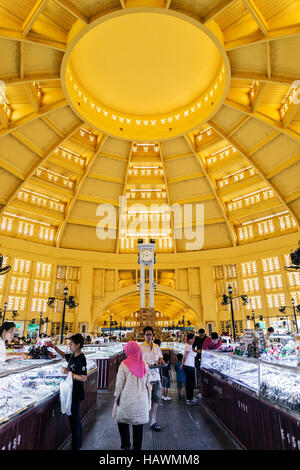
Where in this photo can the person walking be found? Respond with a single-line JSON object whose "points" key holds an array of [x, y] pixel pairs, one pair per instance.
{"points": [[197, 347], [132, 396], [188, 363], [152, 355], [166, 377], [77, 365], [180, 376]]}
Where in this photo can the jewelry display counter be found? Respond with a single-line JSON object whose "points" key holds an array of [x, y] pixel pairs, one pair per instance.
{"points": [[257, 401], [30, 416]]}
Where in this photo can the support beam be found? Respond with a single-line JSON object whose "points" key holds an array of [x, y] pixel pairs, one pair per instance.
{"points": [[31, 117], [123, 194], [283, 166], [290, 114], [31, 39], [70, 8], [33, 97], [40, 163], [217, 10], [259, 170], [214, 191], [172, 223], [41, 77], [33, 16], [4, 118], [90, 164], [282, 33], [272, 79], [28, 143], [259, 96], [257, 16], [22, 59], [269, 59], [262, 117]]}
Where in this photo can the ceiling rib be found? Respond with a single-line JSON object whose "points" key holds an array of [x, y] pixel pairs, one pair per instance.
{"points": [[216, 11], [33, 116], [211, 184], [39, 163], [255, 165], [262, 117], [33, 16], [162, 157], [61, 229], [282, 33], [70, 8], [123, 194], [257, 16], [251, 76]]}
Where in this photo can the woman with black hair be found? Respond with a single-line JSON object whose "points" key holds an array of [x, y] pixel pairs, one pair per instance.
{"points": [[6, 334], [76, 365]]}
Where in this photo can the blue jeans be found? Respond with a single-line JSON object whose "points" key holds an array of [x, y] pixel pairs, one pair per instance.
{"points": [[75, 423]]}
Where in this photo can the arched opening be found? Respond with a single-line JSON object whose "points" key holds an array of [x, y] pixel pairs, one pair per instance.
{"points": [[168, 310]]}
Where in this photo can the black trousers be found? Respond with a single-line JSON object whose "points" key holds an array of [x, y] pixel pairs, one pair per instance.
{"points": [[190, 381], [125, 435], [75, 423]]}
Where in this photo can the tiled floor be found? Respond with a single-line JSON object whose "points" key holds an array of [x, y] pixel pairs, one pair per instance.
{"points": [[183, 427]]}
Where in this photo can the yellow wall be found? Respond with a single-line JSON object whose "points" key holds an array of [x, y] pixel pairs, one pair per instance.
{"points": [[194, 284]]}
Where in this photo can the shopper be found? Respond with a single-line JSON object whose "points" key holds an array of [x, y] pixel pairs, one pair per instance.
{"points": [[197, 347], [188, 363], [6, 335], [166, 377], [132, 396], [76, 365], [152, 355], [212, 342], [180, 376]]}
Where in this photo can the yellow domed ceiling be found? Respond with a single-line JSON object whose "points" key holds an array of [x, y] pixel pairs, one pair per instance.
{"points": [[100, 101]]}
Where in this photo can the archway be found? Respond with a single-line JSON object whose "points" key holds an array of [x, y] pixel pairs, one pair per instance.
{"points": [[169, 308]]}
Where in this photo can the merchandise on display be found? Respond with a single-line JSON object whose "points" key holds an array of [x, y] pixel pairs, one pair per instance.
{"points": [[278, 384], [21, 389]]}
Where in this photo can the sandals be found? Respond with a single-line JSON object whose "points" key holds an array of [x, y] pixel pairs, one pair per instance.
{"points": [[155, 427]]}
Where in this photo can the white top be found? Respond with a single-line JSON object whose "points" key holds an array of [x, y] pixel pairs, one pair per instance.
{"points": [[151, 356], [2, 351], [135, 400], [190, 359]]}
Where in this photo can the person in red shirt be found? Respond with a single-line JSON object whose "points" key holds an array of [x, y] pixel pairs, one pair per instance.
{"points": [[212, 342]]}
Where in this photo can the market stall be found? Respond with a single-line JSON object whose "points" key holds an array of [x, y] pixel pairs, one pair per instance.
{"points": [[30, 416], [257, 400]]}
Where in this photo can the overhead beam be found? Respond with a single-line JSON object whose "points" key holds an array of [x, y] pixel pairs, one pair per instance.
{"points": [[41, 77], [33, 97], [282, 33], [257, 16], [31, 39], [33, 169], [259, 170], [273, 79], [33, 16], [262, 117], [217, 10], [22, 59], [283, 166], [290, 114], [214, 191], [90, 164], [33, 116], [4, 118], [259, 96], [28, 143], [123, 194], [172, 218], [70, 8]]}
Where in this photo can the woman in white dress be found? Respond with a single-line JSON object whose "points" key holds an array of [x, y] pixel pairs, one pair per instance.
{"points": [[6, 334], [133, 396]]}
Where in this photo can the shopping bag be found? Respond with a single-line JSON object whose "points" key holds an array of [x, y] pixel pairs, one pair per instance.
{"points": [[66, 390]]}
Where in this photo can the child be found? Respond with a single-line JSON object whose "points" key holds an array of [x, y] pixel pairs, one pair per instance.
{"points": [[180, 376], [166, 377]]}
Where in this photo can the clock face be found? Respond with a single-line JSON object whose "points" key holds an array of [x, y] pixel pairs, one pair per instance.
{"points": [[146, 255]]}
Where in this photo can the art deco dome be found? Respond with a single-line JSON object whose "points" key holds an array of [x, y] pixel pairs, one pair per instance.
{"points": [[174, 102]]}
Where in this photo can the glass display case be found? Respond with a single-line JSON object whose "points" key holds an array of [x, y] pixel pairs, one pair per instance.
{"points": [[278, 384], [22, 389]]}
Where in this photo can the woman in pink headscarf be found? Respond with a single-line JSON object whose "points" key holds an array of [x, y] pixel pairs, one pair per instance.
{"points": [[133, 390]]}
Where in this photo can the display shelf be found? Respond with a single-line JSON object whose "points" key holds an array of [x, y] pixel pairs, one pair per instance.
{"points": [[278, 384], [22, 389]]}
